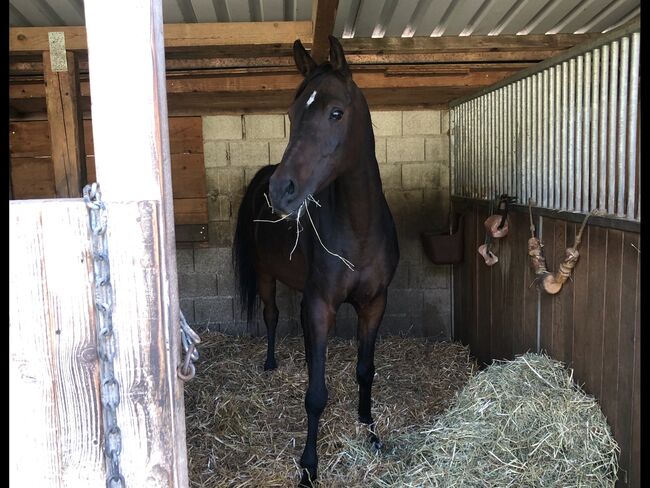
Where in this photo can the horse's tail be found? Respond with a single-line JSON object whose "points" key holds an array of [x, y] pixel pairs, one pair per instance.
{"points": [[243, 249]]}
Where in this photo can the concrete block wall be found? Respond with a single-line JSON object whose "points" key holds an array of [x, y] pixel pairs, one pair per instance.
{"points": [[412, 148]]}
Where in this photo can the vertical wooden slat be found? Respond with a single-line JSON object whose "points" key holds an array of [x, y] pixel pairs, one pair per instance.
{"points": [[62, 97], [141, 234], [596, 306], [546, 300], [557, 330], [470, 277], [612, 315], [626, 343], [54, 406], [483, 294], [564, 337], [531, 299], [517, 283], [581, 351], [635, 448]]}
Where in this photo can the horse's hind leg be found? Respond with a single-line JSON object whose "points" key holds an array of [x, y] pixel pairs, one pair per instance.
{"points": [[370, 316], [266, 288]]}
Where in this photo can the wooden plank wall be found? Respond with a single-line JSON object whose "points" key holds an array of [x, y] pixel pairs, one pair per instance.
{"points": [[592, 325], [32, 175]]}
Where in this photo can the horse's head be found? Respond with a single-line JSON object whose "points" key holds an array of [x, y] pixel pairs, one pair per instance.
{"points": [[326, 116]]}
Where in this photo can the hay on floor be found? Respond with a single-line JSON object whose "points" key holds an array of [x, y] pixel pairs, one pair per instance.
{"points": [[247, 427], [517, 423]]}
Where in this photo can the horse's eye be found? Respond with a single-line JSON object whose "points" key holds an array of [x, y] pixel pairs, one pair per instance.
{"points": [[336, 114]]}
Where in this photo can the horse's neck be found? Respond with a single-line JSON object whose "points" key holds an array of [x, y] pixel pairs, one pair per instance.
{"points": [[357, 200]]}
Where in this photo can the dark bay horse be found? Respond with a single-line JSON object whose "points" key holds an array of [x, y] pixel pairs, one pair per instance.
{"points": [[319, 223]]}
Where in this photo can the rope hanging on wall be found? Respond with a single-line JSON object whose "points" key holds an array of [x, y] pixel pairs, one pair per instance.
{"points": [[550, 282]]}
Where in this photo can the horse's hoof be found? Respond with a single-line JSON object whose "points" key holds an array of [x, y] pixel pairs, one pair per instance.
{"points": [[270, 365], [307, 480], [376, 444]]}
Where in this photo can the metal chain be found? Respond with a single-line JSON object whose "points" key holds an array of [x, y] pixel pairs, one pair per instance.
{"points": [[189, 339], [106, 349]]}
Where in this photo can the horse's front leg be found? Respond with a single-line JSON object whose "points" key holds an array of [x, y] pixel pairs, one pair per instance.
{"points": [[370, 316], [319, 316]]}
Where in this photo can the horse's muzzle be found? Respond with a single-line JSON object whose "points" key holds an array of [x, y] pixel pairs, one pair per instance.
{"points": [[283, 193]]}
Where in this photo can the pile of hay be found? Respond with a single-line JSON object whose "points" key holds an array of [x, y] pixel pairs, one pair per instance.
{"points": [[247, 427], [517, 423]]}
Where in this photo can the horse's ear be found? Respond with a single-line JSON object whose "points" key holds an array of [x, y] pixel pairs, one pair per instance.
{"points": [[337, 58], [303, 60]]}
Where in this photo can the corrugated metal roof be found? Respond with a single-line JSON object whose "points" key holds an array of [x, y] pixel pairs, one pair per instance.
{"points": [[374, 18]]}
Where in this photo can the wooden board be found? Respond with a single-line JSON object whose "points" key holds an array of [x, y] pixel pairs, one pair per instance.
{"points": [[34, 39], [32, 178], [64, 116], [54, 400]]}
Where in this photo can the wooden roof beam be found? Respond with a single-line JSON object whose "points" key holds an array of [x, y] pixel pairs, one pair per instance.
{"points": [[323, 15], [25, 40]]}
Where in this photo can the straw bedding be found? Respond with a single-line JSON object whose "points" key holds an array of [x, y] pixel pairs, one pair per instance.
{"points": [[519, 423]]}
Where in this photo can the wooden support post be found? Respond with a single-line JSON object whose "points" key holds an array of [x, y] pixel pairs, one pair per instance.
{"points": [[133, 168], [62, 96], [323, 15]]}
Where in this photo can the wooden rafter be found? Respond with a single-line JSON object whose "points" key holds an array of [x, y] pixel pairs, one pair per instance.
{"points": [[35, 39], [323, 15]]}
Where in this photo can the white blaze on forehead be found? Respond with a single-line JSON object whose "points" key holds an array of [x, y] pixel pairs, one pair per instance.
{"points": [[311, 98]]}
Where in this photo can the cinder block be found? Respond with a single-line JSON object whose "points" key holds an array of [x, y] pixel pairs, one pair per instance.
{"points": [[213, 310], [404, 149], [215, 154], [235, 328], [396, 324], [444, 122], [436, 148], [185, 260], [225, 181], [206, 260], [287, 125], [436, 209], [401, 278], [276, 150], [249, 174], [286, 328], [219, 207], [429, 276], [404, 301], [192, 285], [421, 122], [249, 153], [264, 126], [436, 314], [391, 175], [420, 175], [403, 202], [220, 233], [187, 308], [222, 127], [444, 176], [380, 149], [386, 123], [226, 285]]}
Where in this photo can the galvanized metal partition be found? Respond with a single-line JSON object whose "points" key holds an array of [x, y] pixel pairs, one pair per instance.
{"points": [[563, 132]]}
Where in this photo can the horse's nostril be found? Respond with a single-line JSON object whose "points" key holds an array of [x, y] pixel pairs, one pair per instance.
{"points": [[290, 189]]}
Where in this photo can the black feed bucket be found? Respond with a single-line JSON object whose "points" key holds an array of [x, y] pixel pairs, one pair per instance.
{"points": [[445, 248]]}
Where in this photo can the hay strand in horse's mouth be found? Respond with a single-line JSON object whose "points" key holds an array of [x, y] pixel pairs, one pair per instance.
{"points": [[343, 260], [299, 228]]}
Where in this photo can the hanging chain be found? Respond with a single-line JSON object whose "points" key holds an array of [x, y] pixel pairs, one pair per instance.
{"points": [[110, 392], [189, 339]]}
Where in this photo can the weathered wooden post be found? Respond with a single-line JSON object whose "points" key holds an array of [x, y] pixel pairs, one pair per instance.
{"points": [[129, 117], [57, 435]]}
